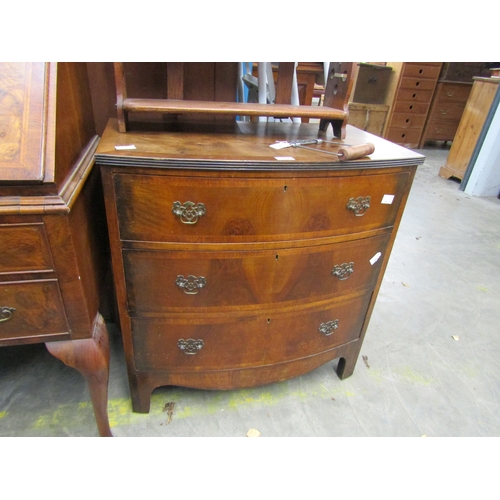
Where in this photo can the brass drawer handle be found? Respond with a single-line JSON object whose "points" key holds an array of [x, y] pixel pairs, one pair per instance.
{"points": [[190, 346], [343, 271], [190, 285], [188, 212], [6, 313], [359, 206], [329, 327]]}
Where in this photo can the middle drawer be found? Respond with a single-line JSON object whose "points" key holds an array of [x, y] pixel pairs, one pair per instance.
{"points": [[173, 281]]}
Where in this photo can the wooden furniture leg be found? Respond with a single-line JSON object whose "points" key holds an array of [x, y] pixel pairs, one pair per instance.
{"points": [[91, 358], [347, 362]]}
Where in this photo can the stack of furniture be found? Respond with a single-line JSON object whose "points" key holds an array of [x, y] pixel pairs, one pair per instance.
{"points": [[448, 104], [53, 248]]}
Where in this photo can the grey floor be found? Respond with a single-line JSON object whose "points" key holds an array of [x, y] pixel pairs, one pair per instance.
{"points": [[429, 364]]}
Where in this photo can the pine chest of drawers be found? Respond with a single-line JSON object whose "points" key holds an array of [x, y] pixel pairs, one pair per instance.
{"points": [[237, 264]]}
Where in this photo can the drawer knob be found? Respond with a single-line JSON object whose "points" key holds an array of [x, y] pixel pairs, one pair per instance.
{"points": [[329, 327], [190, 285], [359, 205], [190, 346], [6, 313], [343, 271], [188, 212]]}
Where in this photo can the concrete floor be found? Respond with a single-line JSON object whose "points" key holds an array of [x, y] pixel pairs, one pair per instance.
{"points": [[429, 362]]}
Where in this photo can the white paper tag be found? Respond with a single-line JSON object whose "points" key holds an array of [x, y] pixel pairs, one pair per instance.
{"points": [[280, 145], [130, 146], [375, 258], [285, 158], [387, 199]]}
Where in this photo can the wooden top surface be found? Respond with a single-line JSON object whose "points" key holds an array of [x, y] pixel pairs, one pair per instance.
{"points": [[23, 122], [243, 145]]}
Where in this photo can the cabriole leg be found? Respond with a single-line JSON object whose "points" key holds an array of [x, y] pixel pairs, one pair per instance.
{"points": [[91, 358]]}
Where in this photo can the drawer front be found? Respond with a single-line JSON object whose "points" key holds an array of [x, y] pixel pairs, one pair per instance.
{"points": [[448, 111], [411, 108], [441, 131], [158, 208], [450, 92], [404, 136], [162, 282], [403, 120], [31, 309], [417, 84], [24, 248], [413, 95], [228, 342], [422, 70]]}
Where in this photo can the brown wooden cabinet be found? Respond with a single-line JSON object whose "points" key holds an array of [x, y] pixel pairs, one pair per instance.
{"points": [[53, 251], [446, 111], [236, 266]]}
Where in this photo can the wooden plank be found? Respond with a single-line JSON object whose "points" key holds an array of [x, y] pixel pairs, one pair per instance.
{"points": [[232, 108], [175, 80]]}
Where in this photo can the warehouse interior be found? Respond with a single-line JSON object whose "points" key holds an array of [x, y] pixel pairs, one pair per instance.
{"points": [[428, 364]]}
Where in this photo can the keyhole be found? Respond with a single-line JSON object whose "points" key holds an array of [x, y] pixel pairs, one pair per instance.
{"points": [[285, 188], [277, 257]]}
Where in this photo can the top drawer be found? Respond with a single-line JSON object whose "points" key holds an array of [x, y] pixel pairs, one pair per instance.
{"points": [[422, 70], [453, 92], [24, 248], [165, 208]]}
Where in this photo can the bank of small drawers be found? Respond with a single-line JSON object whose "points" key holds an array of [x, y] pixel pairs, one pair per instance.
{"points": [[412, 103]]}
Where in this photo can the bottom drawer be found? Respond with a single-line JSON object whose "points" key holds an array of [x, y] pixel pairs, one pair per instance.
{"points": [[403, 135], [217, 342], [31, 309], [441, 130]]}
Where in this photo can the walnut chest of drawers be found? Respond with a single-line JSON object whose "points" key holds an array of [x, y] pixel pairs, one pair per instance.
{"points": [[237, 264]]}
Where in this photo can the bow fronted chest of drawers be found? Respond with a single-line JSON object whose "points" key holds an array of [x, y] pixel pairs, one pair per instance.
{"points": [[237, 264]]}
